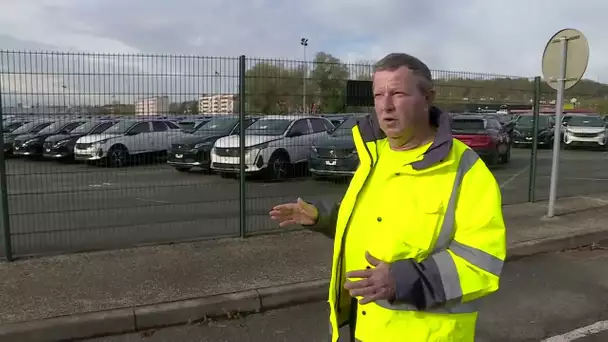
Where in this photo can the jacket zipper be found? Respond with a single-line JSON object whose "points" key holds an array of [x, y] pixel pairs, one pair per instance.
{"points": [[343, 240]]}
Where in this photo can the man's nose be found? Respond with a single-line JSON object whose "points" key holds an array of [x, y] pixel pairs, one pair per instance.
{"points": [[387, 103]]}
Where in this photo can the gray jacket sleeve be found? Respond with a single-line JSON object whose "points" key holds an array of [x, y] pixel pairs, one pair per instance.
{"points": [[328, 217]]}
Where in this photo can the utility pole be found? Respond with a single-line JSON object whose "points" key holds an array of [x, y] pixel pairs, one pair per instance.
{"points": [[304, 43]]}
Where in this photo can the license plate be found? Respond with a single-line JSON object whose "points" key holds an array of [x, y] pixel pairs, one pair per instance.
{"points": [[16, 148], [227, 160], [330, 162], [48, 150], [179, 156], [528, 138]]}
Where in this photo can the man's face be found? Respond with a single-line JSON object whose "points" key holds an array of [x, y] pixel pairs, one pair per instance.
{"points": [[400, 105]]}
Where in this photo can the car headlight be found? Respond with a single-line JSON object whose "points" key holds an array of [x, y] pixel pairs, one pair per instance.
{"points": [[203, 144], [256, 147], [61, 142], [100, 142], [30, 141]]}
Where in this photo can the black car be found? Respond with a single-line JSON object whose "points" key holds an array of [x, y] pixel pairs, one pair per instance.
{"points": [[31, 144], [61, 146], [485, 135], [522, 133], [190, 126], [195, 150], [11, 125], [335, 155], [27, 128]]}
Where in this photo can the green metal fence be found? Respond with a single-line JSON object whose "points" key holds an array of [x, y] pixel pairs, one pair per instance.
{"points": [[132, 184]]}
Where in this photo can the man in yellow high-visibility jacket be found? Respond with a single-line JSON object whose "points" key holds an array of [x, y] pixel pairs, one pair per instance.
{"points": [[419, 235]]}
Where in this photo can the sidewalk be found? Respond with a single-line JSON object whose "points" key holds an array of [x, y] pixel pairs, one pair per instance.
{"points": [[135, 278]]}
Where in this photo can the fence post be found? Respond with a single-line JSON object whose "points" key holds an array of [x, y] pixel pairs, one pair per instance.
{"points": [[5, 222], [242, 183], [534, 149]]}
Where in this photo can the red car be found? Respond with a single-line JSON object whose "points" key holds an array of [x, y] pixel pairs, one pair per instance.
{"points": [[485, 135]]}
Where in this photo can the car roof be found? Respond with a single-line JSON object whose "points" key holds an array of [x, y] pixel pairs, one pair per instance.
{"points": [[469, 116]]}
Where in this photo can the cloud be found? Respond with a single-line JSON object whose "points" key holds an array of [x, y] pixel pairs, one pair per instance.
{"points": [[473, 35]]}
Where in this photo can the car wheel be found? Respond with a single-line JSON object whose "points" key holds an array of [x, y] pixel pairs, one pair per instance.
{"points": [[118, 156], [278, 166], [182, 169]]}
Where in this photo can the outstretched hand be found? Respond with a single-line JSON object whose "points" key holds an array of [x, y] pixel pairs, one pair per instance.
{"points": [[300, 212]]}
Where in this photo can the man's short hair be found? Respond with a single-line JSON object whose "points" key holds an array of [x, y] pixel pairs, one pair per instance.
{"points": [[394, 61]]}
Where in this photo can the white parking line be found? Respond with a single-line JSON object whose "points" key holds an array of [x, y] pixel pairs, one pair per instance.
{"points": [[517, 174], [580, 332]]}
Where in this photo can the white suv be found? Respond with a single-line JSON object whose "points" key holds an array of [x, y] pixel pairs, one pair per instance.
{"points": [[127, 138], [585, 130], [272, 145]]}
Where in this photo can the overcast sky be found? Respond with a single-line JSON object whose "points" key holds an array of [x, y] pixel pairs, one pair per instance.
{"points": [[503, 37]]}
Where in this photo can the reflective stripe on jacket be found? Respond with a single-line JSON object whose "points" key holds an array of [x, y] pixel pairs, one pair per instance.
{"points": [[449, 233]]}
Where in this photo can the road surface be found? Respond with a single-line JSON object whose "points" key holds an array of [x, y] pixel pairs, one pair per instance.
{"points": [[57, 207], [541, 297]]}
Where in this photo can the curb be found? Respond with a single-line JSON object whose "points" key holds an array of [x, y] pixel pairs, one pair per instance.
{"points": [[141, 318]]}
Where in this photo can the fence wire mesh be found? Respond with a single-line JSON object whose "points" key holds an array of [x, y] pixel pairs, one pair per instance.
{"points": [[106, 151]]}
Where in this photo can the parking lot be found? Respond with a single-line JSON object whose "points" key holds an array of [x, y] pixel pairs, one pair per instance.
{"points": [[58, 207]]}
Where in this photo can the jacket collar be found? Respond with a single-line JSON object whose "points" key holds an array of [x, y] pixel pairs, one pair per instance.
{"points": [[439, 150]]}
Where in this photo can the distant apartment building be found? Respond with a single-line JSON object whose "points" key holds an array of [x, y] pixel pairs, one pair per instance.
{"points": [[157, 105], [218, 104]]}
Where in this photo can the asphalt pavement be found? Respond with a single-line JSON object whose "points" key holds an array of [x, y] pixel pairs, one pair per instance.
{"points": [[57, 207], [542, 298]]}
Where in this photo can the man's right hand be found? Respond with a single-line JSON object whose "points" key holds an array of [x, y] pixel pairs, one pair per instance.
{"points": [[299, 212]]}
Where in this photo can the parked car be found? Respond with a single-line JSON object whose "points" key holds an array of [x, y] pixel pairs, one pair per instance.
{"points": [[192, 125], [61, 146], [337, 119], [506, 120], [485, 135], [10, 125], [32, 144], [128, 138], [195, 150], [30, 127], [522, 133], [273, 144], [335, 155], [585, 131]]}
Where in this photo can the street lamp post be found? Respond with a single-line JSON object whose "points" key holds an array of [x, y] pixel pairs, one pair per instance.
{"points": [[304, 43]]}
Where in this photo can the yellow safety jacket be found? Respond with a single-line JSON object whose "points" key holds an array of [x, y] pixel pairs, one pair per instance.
{"points": [[449, 245]]}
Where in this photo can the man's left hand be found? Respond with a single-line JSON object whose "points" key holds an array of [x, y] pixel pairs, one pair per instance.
{"points": [[376, 283]]}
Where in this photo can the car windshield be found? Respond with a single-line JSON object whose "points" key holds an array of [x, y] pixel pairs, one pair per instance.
{"points": [[12, 126], [218, 125], [121, 127], [588, 121], [86, 127], [528, 121], [268, 127], [345, 129], [53, 128], [468, 124], [27, 127]]}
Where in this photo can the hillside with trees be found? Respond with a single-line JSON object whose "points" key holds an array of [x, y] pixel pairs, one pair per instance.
{"points": [[278, 87]]}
